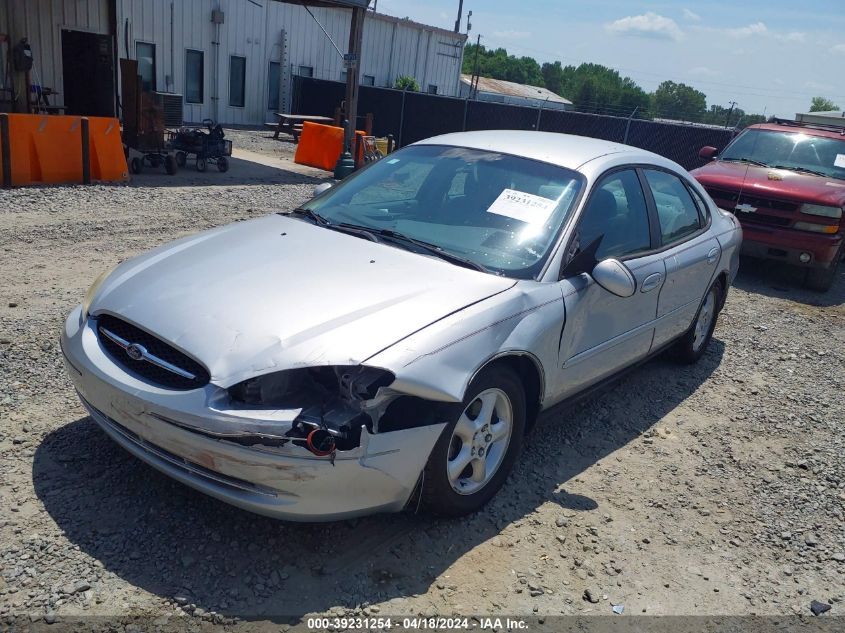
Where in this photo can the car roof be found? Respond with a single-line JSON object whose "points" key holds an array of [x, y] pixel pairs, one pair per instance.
{"points": [[799, 129], [565, 150]]}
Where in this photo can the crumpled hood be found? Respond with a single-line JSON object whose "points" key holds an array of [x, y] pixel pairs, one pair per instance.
{"points": [[275, 293], [755, 180]]}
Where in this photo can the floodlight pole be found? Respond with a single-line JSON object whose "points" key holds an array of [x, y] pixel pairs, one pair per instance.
{"points": [[352, 60]]}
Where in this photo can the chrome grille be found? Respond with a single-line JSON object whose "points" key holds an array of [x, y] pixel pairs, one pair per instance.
{"points": [[148, 357], [769, 211]]}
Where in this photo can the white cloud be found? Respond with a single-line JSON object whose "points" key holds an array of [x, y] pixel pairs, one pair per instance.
{"points": [[815, 85], [839, 48], [758, 28], [512, 35], [794, 36], [692, 16], [650, 25], [703, 71]]}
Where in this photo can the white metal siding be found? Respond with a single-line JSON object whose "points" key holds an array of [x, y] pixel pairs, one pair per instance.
{"points": [[41, 22], [287, 34], [274, 31]]}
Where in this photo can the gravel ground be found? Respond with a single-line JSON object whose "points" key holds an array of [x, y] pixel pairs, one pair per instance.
{"points": [[716, 489]]}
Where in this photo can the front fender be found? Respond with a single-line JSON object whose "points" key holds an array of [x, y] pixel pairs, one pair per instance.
{"points": [[438, 362]]}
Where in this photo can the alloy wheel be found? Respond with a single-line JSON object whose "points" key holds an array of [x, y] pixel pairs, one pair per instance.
{"points": [[480, 441]]}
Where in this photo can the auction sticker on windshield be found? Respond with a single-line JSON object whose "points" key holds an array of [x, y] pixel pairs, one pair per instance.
{"points": [[525, 207], [839, 161]]}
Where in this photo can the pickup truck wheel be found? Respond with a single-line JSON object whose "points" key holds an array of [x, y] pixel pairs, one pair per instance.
{"points": [[477, 449], [692, 345], [821, 279]]}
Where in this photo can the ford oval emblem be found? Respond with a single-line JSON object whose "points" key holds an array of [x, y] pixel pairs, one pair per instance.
{"points": [[135, 351]]}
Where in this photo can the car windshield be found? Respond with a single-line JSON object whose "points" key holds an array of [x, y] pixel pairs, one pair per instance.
{"points": [[801, 152], [498, 212]]}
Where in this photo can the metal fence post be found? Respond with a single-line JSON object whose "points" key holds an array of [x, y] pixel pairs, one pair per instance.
{"points": [[628, 125], [466, 109], [540, 114], [6, 149], [401, 120], [86, 151]]}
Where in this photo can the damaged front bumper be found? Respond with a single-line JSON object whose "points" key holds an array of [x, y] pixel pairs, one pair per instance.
{"points": [[163, 428]]}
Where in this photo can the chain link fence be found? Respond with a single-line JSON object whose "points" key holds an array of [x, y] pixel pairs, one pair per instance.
{"points": [[413, 116]]}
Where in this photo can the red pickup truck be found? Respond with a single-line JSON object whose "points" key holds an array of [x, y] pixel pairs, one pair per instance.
{"points": [[785, 182]]}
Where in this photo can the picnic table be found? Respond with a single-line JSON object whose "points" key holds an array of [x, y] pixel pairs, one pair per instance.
{"points": [[292, 123]]}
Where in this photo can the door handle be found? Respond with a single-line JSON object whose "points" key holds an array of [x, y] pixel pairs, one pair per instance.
{"points": [[712, 255], [651, 282]]}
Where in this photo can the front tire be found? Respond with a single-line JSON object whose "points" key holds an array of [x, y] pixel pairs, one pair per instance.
{"points": [[692, 345], [821, 279], [477, 449]]}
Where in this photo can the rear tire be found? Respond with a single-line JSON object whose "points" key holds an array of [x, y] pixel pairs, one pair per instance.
{"points": [[181, 159], [170, 165], [223, 164], [692, 345], [135, 165], [201, 164], [486, 435]]}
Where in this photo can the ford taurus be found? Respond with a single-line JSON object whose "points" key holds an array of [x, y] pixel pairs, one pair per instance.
{"points": [[393, 339]]}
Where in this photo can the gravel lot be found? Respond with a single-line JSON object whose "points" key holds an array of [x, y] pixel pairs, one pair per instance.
{"points": [[717, 489]]}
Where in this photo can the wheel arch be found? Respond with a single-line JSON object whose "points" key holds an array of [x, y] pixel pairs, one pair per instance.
{"points": [[531, 374]]}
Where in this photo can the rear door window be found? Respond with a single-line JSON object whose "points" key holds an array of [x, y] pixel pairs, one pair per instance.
{"points": [[676, 210]]}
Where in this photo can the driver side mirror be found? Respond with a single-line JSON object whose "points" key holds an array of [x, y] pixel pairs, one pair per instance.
{"points": [[615, 277], [323, 186], [708, 152]]}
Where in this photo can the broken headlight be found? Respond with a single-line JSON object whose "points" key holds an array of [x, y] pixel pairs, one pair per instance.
{"points": [[299, 388], [330, 398]]}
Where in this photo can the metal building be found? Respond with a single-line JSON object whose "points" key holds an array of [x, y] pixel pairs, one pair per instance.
{"points": [[231, 60], [501, 91]]}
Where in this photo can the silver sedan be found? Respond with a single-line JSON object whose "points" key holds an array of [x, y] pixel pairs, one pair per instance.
{"points": [[392, 341]]}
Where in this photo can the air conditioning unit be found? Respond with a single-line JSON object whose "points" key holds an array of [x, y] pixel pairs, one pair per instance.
{"points": [[171, 108]]}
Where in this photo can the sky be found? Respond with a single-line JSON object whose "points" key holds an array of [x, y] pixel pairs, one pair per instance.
{"points": [[770, 56]]}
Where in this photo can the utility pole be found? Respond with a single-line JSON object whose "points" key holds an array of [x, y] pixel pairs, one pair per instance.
{"points": [[460, 15], [730, 112], [473, 85]]}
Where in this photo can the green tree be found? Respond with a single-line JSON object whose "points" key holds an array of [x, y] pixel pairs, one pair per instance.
{"points": [[553, 77], [406, 82], [602, 90], [678, 101], [820, 104], [499, 65]]}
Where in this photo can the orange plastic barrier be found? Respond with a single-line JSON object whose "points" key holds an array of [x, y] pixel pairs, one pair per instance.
{"points": [[321, 145], [45, 149], [48, 149], [108, 161]]}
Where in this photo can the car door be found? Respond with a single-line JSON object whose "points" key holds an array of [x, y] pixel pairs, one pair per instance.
{"points": [[604, 332], [690, 252]]}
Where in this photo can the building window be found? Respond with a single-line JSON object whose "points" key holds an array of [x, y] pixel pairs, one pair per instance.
{"points": [[146, 56], [274, 84], [368, 80], [306, 71], [237, 81], [432, 89], [194, 76]]}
